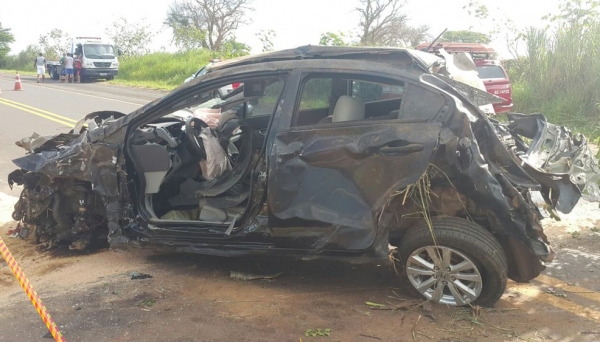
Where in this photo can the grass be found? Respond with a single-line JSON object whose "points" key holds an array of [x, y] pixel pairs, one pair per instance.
{"points": [[559, 76], [14, 72], [161, 70]]}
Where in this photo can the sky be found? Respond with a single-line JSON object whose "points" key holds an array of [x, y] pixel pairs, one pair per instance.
{"points": [[296, 22]]}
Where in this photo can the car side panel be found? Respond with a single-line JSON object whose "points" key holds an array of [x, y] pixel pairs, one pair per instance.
{"points": [[328, 186]]}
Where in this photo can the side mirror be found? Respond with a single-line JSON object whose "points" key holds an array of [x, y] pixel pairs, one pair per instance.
{"points": [[119, 52]]}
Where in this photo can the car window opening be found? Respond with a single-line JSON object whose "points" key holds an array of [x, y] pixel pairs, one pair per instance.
{"points": [[195, 162]]}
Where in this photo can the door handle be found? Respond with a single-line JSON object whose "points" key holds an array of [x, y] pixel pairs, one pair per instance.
{"points": [[410, 148]]}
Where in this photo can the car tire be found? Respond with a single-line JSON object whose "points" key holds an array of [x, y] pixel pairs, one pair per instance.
{"points": [[110, 78], [468, 266]]}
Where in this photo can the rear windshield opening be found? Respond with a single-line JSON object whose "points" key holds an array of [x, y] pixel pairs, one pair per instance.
{"points": [[490, 71]]}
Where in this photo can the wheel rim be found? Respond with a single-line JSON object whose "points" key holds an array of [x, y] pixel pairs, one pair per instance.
{"points": [[444, 275]]}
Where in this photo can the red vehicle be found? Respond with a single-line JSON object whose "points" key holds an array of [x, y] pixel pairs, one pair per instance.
{"points": [[490, 70]]}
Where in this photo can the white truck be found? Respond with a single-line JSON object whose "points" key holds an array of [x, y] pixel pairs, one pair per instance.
{"points": [[99, 59]]}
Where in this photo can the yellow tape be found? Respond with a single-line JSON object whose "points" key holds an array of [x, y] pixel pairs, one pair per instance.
{"points": [[33, 296]]}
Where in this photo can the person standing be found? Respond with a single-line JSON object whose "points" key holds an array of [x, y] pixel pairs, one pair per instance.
{"points": [[62, 64], [69, 68], [40, 65], [78, 64]]}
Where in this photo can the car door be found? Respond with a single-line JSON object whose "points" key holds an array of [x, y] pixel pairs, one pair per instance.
{"points": [[332, 171]]}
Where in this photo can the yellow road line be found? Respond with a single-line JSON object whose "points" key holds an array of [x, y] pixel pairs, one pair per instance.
{"points": [[62, 122], [562, 303], [40, 110], [577, 290]]}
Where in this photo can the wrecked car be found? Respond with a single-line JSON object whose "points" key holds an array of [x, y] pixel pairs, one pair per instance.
{"points": [[347, 153]]}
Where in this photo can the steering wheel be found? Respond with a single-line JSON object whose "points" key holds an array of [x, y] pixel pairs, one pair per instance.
{"points": [[194, 144]]}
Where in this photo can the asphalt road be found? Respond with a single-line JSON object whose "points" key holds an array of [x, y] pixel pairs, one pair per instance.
{"points": [[51, 108]]}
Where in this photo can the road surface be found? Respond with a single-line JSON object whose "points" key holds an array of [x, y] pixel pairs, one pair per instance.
{"points": [[191, 298], [52, 107]]}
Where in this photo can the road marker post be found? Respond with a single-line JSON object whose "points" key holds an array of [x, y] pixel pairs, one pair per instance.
{"points": [[33, 296], [18, 85]]}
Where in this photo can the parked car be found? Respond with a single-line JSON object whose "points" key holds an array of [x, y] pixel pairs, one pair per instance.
{"points": [[491, 71], [223, 90], [348, 153]]}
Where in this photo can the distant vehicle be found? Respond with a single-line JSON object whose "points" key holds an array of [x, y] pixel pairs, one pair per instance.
{"points": [[99, 59], [496, 82], [222, 91], [490, 69]]}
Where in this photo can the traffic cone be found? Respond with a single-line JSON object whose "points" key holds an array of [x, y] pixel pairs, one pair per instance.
{"points": [[18, 83]]}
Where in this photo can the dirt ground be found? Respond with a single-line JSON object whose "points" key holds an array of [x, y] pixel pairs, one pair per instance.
{"points": [[192, 298]]}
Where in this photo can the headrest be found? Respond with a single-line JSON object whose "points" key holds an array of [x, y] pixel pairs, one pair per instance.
{"points": [[348, 108]]}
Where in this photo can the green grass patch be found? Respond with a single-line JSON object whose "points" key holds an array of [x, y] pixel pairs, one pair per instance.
{"points": [[4, 72], [161, 70]]}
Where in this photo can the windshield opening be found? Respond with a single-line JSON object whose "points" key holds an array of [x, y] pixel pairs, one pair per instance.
{"points": [[99, 51]]}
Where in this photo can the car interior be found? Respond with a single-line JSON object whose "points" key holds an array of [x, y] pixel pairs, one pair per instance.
{"points": [[337, 99], [187, 170]]}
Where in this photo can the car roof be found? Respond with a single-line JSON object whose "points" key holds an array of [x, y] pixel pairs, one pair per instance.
{"points": [[422, 59]]}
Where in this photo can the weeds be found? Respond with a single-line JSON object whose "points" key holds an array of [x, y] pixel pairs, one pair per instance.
{"points": [[560, 76]]}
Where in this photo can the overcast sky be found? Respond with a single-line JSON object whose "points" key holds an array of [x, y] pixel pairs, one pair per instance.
{"points": [[296, 22]]}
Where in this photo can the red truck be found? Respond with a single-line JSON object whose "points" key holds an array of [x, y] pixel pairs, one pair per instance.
{"points": [[490, 69]]}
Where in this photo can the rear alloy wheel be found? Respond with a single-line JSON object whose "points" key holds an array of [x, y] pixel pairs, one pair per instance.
{"points": [[466, 267]]}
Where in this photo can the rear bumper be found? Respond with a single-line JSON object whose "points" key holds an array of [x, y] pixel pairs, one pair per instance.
{"points": [[99, 72]]}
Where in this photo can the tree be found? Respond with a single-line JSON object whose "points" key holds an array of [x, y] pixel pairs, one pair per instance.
{"points": [[575, 12], [6, 37], [333, 39], [206, 23], [131, 39], [24, 59], [465, 36], [232, 48], [382, 23], [266, 39], [54, 43]]}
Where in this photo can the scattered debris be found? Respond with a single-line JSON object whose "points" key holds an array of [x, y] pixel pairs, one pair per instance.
{"points": [[15, 233], [374, 305], [363, 312], [146, 303], [369, 336], [138, 275], [319, 332], [248, 276], [551, 291], [414, 327]]}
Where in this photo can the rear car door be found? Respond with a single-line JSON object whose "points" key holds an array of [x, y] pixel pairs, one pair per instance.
{"points": [[353, 140]]}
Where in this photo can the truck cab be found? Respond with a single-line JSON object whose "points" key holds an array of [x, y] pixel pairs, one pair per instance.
{"points": [[99, 58]]}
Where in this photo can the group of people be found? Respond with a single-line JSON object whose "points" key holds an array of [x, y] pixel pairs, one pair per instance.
{"points": [[71, 66]]}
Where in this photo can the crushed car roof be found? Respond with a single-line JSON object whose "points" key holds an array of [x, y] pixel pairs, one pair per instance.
{"points": [[424, 60]]}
